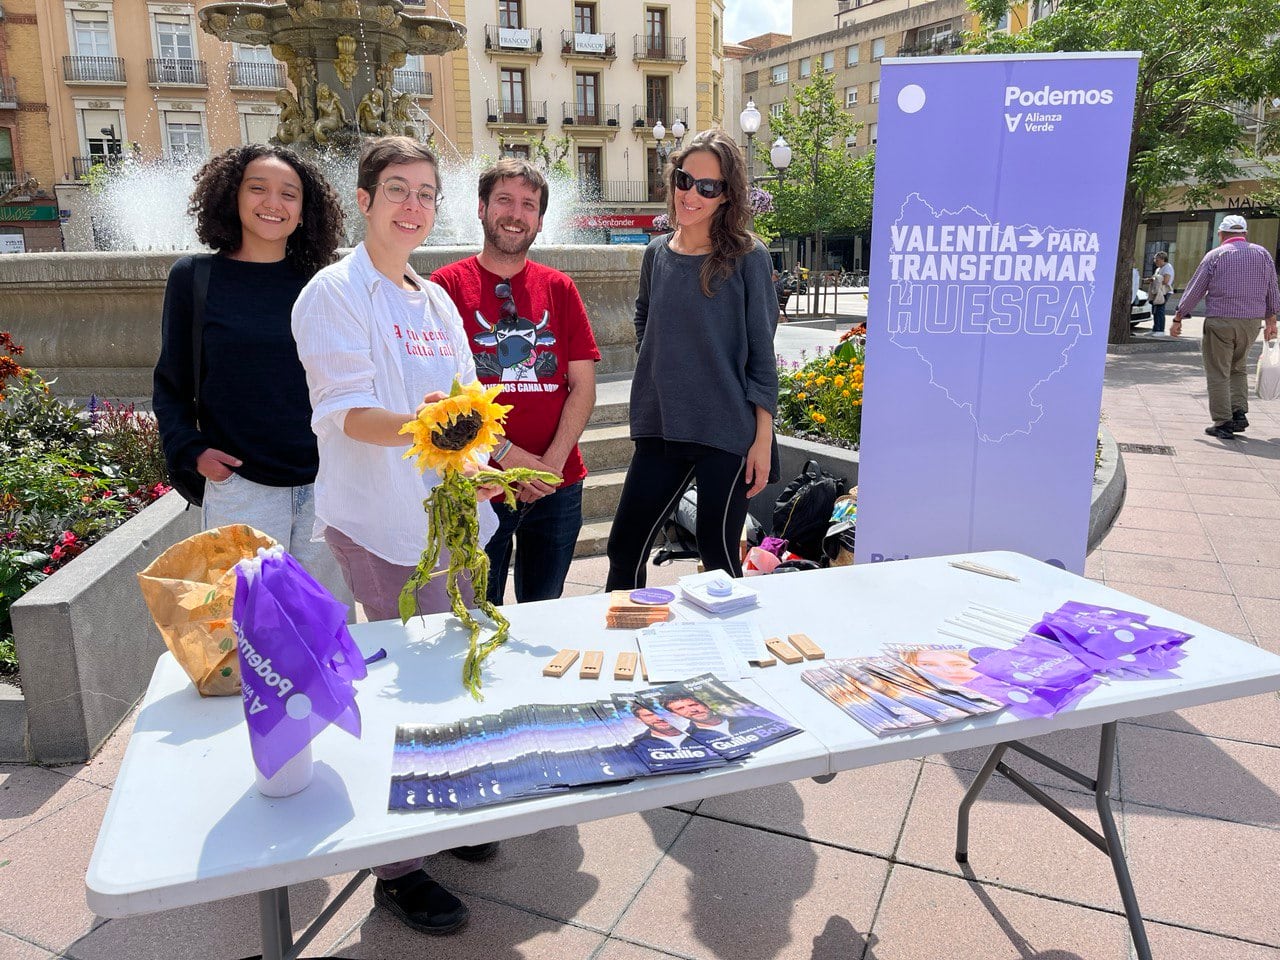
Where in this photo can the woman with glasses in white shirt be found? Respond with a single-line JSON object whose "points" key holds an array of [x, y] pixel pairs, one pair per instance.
{"points": [[377, 340]]}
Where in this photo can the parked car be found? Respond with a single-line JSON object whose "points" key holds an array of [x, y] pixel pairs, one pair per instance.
{"points": [[1140, 306]]}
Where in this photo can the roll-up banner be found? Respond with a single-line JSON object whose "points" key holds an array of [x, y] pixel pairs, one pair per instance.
{"points": [[999, 182]]}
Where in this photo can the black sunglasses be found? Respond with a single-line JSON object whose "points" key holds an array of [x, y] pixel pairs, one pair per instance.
{"points": [[706, 187], [503, 292]]}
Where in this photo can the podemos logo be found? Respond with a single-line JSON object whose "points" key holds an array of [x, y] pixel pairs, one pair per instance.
{"points": [[1046, 96]]}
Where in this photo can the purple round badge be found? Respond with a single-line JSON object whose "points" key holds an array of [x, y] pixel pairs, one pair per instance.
{"points": [[652, 595]]}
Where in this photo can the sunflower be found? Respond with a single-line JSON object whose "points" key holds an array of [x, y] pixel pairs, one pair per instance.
{"points": [[448, 434]]}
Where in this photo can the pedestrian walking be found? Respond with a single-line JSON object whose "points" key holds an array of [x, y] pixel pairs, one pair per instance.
{"points": [[1237, 281]]}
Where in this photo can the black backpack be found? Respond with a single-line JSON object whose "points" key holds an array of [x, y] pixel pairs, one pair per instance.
{"points": [[802, 512]]}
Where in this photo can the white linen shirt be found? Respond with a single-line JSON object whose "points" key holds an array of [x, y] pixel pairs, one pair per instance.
{"points": [[347, 344]]}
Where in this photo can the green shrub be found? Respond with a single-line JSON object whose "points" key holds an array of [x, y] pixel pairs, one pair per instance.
{"points": [[821, 398]]}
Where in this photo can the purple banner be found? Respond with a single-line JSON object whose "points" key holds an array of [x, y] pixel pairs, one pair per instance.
{"points": [[997, 212]]}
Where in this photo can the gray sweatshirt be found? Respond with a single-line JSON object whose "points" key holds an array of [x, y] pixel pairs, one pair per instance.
{"points": [[704, 364]]}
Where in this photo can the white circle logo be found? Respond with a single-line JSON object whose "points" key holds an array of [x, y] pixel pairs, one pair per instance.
{"points": [[1125, 636], [1018, 696], [1024, 677], [298, 706], [911, 98]]}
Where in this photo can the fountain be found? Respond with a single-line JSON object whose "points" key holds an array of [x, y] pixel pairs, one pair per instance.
{"points": [[341, 57]]}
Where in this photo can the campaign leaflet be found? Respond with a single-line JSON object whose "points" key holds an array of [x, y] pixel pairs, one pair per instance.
{"points": [[717, 717], [539, 749], [918, 686]]}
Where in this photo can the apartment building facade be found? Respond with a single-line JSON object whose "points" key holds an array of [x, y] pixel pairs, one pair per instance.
{"points": [[597, 79], [28, 210]]}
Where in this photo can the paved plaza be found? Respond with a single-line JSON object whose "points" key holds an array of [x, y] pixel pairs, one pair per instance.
{"points": [[860, 868]]}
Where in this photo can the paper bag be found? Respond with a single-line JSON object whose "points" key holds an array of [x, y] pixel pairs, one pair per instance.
{"points": [[189, 590]]}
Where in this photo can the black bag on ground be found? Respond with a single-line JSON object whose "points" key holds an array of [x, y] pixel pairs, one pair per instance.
{"points": [[802, 512], [678, 540]]}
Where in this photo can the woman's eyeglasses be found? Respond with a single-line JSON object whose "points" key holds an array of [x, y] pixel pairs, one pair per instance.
{"points": [[398, 192], [503, 292], [706, 187]]}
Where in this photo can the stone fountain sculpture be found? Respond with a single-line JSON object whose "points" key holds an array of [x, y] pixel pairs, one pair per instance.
{"points": [[341, 56]]}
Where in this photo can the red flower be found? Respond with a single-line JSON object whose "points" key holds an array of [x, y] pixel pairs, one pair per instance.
{"points": [[68, 537], [57, 553], [48, 570]]}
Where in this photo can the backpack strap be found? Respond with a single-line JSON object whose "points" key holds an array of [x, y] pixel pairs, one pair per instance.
{"points": [[203, 263]]}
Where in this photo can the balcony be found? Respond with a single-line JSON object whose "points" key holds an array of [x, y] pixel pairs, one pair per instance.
{"points": [[174, 72], [8, 93], [513, 41], [80, 166], [934, 47], [658, 49], [587, 46], [416, 82], [615, 192], [96, 70], [9, 179], [527, 113], [644, 118], [252, 75], [588, 115]]}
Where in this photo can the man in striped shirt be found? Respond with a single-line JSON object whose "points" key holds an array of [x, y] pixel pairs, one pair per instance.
{"points": [[1237, 281]]}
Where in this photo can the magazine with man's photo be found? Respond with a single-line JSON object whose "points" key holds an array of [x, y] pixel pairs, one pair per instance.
{"points": [[718, 717]]}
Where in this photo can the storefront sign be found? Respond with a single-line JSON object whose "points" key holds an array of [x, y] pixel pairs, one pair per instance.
{"points": [[614, 221], [22, 214], [991, 285], [588, 42], [515, 38], [12, 243], [629, 238]]}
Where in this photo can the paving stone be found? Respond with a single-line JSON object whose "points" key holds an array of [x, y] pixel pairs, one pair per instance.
{"points": [[1193, 773], [1013, 841], [726, 891], [1211, 506], [29, 794], [1221, 611], [1253, 580], [926, 916], [1263, 615], [12, 948], [1203, 576], [1247, 720], [495, 932], [1189, 546], [1244, 490], [1167, 941], [820, 811], [622, 950], [1154, 482], [1166, 500], [1212, 875], [1156, 518], [587, 874]]}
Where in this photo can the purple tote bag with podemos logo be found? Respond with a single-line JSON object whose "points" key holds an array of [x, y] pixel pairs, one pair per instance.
{"points": [[297, 658]]}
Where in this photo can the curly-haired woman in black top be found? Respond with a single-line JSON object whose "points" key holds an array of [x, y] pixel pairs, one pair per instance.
{"points": [[273, 221]]}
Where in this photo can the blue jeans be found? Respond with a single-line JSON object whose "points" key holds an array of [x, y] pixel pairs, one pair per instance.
{"points": [[1157, 318], [545, 533]]}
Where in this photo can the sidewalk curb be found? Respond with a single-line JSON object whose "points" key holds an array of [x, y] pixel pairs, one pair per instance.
{"points": [[1108, 491]]}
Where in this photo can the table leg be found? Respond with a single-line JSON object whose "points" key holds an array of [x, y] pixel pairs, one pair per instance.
{"points": [[971, 795], [1108, 841], [277, 930]]}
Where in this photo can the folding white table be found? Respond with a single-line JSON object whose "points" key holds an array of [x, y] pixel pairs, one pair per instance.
{"points": [[186, 823]]}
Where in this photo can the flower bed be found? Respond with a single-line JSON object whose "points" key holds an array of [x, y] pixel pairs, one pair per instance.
{"points": [[820, 399], [68, 477]]}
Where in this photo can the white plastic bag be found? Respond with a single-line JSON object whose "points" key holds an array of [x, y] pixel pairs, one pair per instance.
{"points": [[1269, 371]]}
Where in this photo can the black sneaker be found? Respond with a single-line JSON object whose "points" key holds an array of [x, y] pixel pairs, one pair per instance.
{"points": [[421, 903], [477, 854], [1239, 421], [1221, 430]]}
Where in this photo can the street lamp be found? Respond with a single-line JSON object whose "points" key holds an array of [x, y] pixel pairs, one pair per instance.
{"points": [[749, 120], [780, 156], [660, 136]]}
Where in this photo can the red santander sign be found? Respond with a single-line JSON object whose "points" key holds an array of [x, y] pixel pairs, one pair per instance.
{"points": [[615, 221]]}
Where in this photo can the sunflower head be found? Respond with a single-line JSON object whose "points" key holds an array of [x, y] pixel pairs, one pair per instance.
{"points": [[450, 433]]}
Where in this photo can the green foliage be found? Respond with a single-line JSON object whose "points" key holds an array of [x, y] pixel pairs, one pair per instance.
{"points": [[824, 188], [821, 398], [1205, 65], [67, 478]]}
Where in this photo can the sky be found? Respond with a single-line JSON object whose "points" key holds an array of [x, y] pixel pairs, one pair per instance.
{"points": [[750, 18]]}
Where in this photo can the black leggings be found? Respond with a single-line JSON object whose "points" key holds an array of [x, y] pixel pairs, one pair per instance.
{"points": [[658, 474]]}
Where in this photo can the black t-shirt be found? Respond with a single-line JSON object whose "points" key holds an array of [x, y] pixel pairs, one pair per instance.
{"points": [[253, 390]]}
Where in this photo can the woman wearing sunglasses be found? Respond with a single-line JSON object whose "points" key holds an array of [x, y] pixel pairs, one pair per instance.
{"points": [[706, 385], [377, 340]]}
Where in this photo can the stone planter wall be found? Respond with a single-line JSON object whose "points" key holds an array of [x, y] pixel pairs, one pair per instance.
{"points": [[86, 643]]}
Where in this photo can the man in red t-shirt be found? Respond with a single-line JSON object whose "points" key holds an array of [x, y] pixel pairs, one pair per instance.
{"points": [[529, 332]]}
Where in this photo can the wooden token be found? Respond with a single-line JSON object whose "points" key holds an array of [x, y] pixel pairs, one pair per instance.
{"points": [[806, 646], [782, 650], [592, 661], [625, 668], [561, 662]]}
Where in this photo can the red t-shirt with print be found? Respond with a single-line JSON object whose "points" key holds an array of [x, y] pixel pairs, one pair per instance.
{"points": [[530, 355]]}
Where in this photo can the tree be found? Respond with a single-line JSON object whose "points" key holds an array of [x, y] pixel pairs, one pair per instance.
{"points": [[824, 190], [1205, 65]]}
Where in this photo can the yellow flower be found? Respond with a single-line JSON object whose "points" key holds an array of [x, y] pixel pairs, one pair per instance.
{"points": [[844, 393], [839, 380], [819, 418], [448, 434], [831, 363], [802, 396], [822, 380]]}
